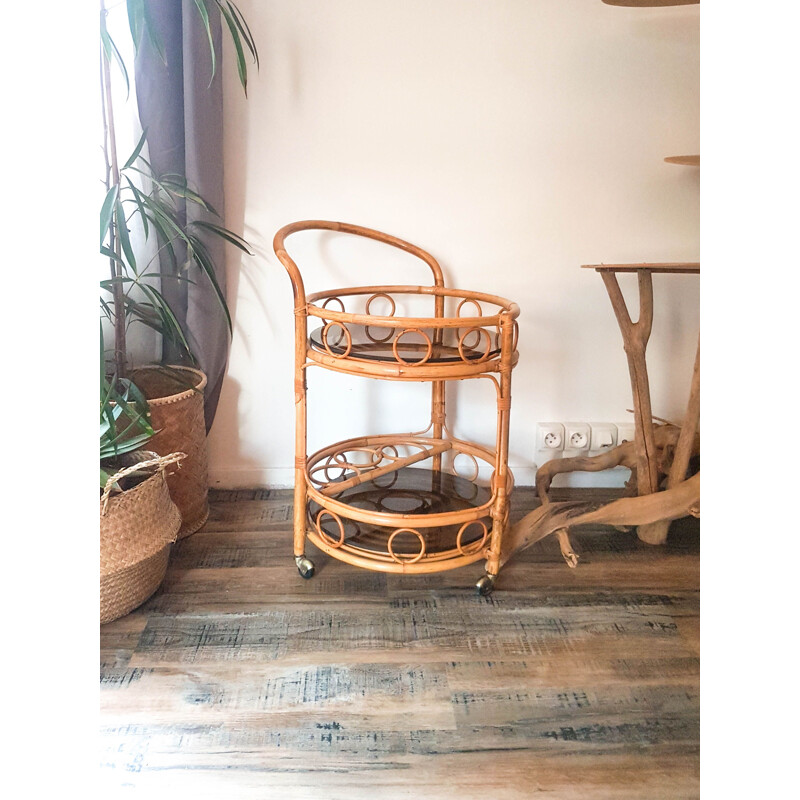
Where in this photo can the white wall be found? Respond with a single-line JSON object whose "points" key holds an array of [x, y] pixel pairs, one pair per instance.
{"points": [[515, 140]]}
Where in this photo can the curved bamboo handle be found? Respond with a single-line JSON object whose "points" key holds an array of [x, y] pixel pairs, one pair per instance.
{"points": [[343, 227]]}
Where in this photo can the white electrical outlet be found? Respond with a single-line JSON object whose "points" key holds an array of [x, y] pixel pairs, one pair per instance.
{"points": [[603, 436], [577, 437], [550, 436], [626, 431]]}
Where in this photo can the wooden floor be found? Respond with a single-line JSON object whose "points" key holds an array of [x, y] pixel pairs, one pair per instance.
{"points": [[238, 679]]}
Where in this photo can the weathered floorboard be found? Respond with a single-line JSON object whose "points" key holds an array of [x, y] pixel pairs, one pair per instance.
{"points": [[240, 679]]}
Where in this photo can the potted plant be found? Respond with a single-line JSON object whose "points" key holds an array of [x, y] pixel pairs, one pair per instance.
{"points": [[143, 208]]}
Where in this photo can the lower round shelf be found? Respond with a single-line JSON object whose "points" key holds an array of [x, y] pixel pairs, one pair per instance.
{"points": [[408, 491]]}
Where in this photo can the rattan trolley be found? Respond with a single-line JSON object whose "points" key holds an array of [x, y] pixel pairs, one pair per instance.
{"points": [[407, 502]]}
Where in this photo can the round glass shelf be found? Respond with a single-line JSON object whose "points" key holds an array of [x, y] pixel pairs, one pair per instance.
{"points": [[410, 491]]}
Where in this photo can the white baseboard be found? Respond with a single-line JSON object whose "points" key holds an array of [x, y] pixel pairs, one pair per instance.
{"points": [[283, 478], [278, 478]]}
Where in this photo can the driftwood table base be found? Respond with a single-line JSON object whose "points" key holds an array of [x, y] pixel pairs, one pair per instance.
{"points": [[659, 457]]}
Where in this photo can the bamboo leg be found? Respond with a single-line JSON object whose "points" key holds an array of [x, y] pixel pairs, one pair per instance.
{"points": [[300, 392], [438, 396], [500, 507], [437, 419]]}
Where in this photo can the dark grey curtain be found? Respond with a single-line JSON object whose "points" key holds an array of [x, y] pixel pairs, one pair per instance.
{"points": [[182, 114]]}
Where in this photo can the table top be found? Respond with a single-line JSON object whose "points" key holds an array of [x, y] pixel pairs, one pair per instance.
{"points": [[672, 266], [650, 3], [686, 161]]}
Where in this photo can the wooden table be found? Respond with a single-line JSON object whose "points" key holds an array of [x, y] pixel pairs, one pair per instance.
{"points": [[658, 457], [635, 336]]}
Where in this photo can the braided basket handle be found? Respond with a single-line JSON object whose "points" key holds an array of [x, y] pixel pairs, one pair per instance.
{"points": [[162, 462]]}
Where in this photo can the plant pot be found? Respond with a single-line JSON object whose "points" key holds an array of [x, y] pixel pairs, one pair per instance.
{"points": [[175, 396], [137, 527]]}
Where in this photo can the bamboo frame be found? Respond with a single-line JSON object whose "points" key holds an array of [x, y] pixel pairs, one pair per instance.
{"points": [[496, 363]]}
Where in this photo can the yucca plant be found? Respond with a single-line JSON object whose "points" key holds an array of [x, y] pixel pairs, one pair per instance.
{"points": [[140, 203], [137, 199]]}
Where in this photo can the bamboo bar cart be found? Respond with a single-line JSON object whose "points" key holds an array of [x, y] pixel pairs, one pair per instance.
{"points": [[659, 457], [406, 502]]}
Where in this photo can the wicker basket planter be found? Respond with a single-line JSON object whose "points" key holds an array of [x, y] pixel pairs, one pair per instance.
{"points": [[175, 396], [137, 527]]}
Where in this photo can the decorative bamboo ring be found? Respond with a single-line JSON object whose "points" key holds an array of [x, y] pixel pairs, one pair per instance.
{"points": [[384, 447], [414, 559], [481, 332], [337, 299], [347, 336], [427, 341], [381, 294], [321, 531], [474, 303], [330, 463], [375, 458], [473, 547], [375, 338], [474, 461]]}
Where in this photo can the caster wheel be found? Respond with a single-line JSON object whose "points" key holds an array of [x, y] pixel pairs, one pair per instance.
{"points": [[485, 585], [305, 566]]}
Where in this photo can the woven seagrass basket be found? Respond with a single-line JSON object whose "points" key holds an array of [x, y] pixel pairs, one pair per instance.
{"points": [[175, 397], [137, 527]]}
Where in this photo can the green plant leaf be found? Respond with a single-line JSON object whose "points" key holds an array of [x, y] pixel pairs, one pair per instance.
{"points": [[181, 189], [136, 150], [132, 390], [108, 252], [203, 9], [107, 211], [111, 53], [244, 28], [107, 312], [224, 233], [137, 196], [122, 233], [151, 30], [124, 412], [203, 258], [117, 448], [172, 328], [241, 64], [135, 21]]}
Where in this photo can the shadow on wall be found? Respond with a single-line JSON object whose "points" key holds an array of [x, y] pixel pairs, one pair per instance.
{"points": [[226, 442]]}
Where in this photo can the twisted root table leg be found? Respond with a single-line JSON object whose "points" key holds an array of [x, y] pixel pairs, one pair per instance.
{"points": [[674, 503]]}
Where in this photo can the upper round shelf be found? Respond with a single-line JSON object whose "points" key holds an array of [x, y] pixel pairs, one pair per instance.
{"points": [[462, 337]]}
